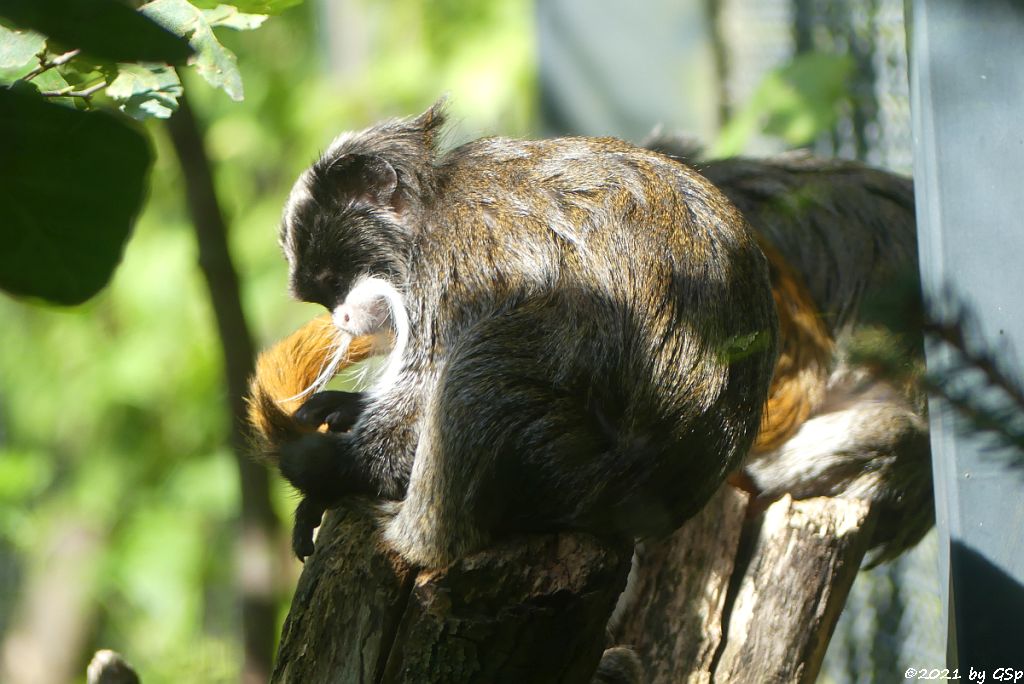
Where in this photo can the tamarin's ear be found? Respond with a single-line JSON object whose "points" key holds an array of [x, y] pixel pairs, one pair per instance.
{"points": [[365, 177]]}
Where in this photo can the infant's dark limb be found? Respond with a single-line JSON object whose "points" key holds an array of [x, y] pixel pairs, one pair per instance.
{"points": [[324, 466], [327, 467], [308, 515], [339, 410]]}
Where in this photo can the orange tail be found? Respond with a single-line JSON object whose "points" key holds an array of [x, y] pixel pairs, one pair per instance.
{"points": [[805, 351], [285, 371]]}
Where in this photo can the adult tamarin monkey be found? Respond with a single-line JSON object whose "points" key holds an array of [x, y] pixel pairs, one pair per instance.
{"points": [[579, 334]]}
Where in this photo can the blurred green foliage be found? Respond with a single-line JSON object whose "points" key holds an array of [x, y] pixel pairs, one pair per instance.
{"points": [[796, 102], [105, 29], [111, 414], [65, 225]]}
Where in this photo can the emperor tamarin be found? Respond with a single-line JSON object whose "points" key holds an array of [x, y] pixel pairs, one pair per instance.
{"points": [[579, 334]]}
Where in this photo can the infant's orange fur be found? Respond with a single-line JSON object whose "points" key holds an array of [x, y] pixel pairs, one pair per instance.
{"points": [[285, 371]]}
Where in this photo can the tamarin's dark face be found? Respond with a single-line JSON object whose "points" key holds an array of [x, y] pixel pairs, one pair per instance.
{"points": [[344, 241]]}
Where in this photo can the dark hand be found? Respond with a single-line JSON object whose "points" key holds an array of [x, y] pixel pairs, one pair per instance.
{"points": [[339, 410]]}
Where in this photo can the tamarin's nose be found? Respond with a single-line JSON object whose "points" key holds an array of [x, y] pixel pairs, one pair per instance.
{"points": [[342, 316]]}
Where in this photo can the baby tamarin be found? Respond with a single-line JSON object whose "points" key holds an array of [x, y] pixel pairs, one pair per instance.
{"points": [[580, 334]]}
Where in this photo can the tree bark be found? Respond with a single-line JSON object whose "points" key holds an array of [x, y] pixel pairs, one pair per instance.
{"points": [[674, 609], [738, 594], [530, 609], [805, 557]]}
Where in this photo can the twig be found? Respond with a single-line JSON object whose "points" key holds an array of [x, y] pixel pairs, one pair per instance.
{"points": [[46, 65], [70, 92]]}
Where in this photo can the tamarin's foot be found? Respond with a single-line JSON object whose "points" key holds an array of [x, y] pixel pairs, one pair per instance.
{"points": [[339, 410], [308, 515]]}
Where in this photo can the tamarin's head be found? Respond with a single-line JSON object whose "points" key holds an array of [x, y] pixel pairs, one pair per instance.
{"points": [[351, 216]]}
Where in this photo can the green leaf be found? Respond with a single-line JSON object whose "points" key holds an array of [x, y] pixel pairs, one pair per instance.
{"points": [[796, 102], [257, 6], [71, 185], [107, 29], [146, 90], [802, 101], [213, 61], [82, 71], [18, 48], [229, 17]]}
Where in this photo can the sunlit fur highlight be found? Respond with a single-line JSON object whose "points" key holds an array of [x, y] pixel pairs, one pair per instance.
{"points": [[398, 325]]}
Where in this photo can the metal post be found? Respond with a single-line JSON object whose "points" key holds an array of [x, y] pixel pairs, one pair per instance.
{"points": [[967, 94]]}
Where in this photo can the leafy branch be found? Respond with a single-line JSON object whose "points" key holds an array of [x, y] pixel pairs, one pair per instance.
{"points": [[120, 58], [70, 91], [47, 64], [142, 89]]}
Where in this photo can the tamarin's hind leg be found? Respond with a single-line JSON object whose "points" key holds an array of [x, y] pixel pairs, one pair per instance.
{"points": [[510, 443], [867, 442]]}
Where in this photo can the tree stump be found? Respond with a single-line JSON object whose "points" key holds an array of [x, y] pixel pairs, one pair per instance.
{"points": [[733, 596], [530, 609], [740, 596]]}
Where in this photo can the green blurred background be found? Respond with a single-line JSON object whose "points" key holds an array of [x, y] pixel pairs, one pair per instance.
{"points": [[119, 495]]}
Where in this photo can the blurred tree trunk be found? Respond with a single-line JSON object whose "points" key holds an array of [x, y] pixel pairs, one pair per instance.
{"points": [[735, 595], [259, 524], [54, 613], [720, 58]]}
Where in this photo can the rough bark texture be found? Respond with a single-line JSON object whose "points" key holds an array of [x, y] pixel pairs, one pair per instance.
{"points": [[672, 614], [735, 595], [805, 558], [347, 606], [772, 584], [530, 609]]}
